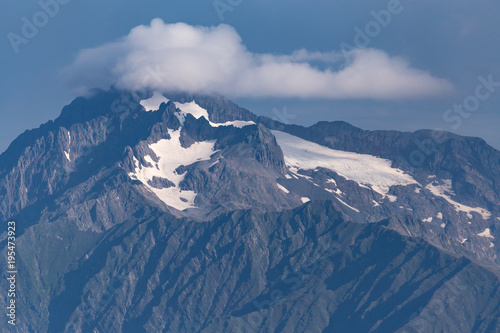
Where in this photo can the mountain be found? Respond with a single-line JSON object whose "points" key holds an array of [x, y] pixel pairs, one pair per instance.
{"points": [[186, 213]]}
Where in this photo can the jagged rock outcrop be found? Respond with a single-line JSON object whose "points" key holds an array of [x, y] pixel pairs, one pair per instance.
{"points": [[199, 216]]}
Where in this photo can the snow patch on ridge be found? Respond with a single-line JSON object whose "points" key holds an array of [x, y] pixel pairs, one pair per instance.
{"points": [[171, 156], [345, 204], [392, 198], [235, 123], [281, 187], [295, 172], [445, 189], [153, 103], [190, 108], [361, 168], [66, 153], [337, 191], [197, 111], [486, 233]]}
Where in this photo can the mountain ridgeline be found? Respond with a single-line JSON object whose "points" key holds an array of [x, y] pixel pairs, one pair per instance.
{"points": [[186, 213]]}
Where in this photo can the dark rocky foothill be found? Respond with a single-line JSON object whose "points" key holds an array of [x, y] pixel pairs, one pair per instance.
{"points": [[98, 251]]}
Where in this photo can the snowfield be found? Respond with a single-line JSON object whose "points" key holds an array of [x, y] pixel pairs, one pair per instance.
{"points": [[67, 153], [190, 108], [284, 189], [197, 111], [153, 104], [444, 191], [364, 169], [172, 155], [235, 123], [486, 233]]}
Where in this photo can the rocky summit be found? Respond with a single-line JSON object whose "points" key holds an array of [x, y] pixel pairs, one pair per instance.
{"points": [[173, 212]]}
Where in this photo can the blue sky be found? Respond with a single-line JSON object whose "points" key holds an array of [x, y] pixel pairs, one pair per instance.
{"points": [[456, 41]]}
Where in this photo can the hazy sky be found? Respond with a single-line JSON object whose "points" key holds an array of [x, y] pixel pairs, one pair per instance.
{"points": [[431, 64]]}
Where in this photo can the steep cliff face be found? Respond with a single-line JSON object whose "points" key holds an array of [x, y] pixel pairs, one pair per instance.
{"points": [[309, 269], [184, 213], [473, 165], [455, 194], [80, 164]]}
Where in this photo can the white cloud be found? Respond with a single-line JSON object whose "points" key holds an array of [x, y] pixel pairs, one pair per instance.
{"points": [[214, 59]]}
